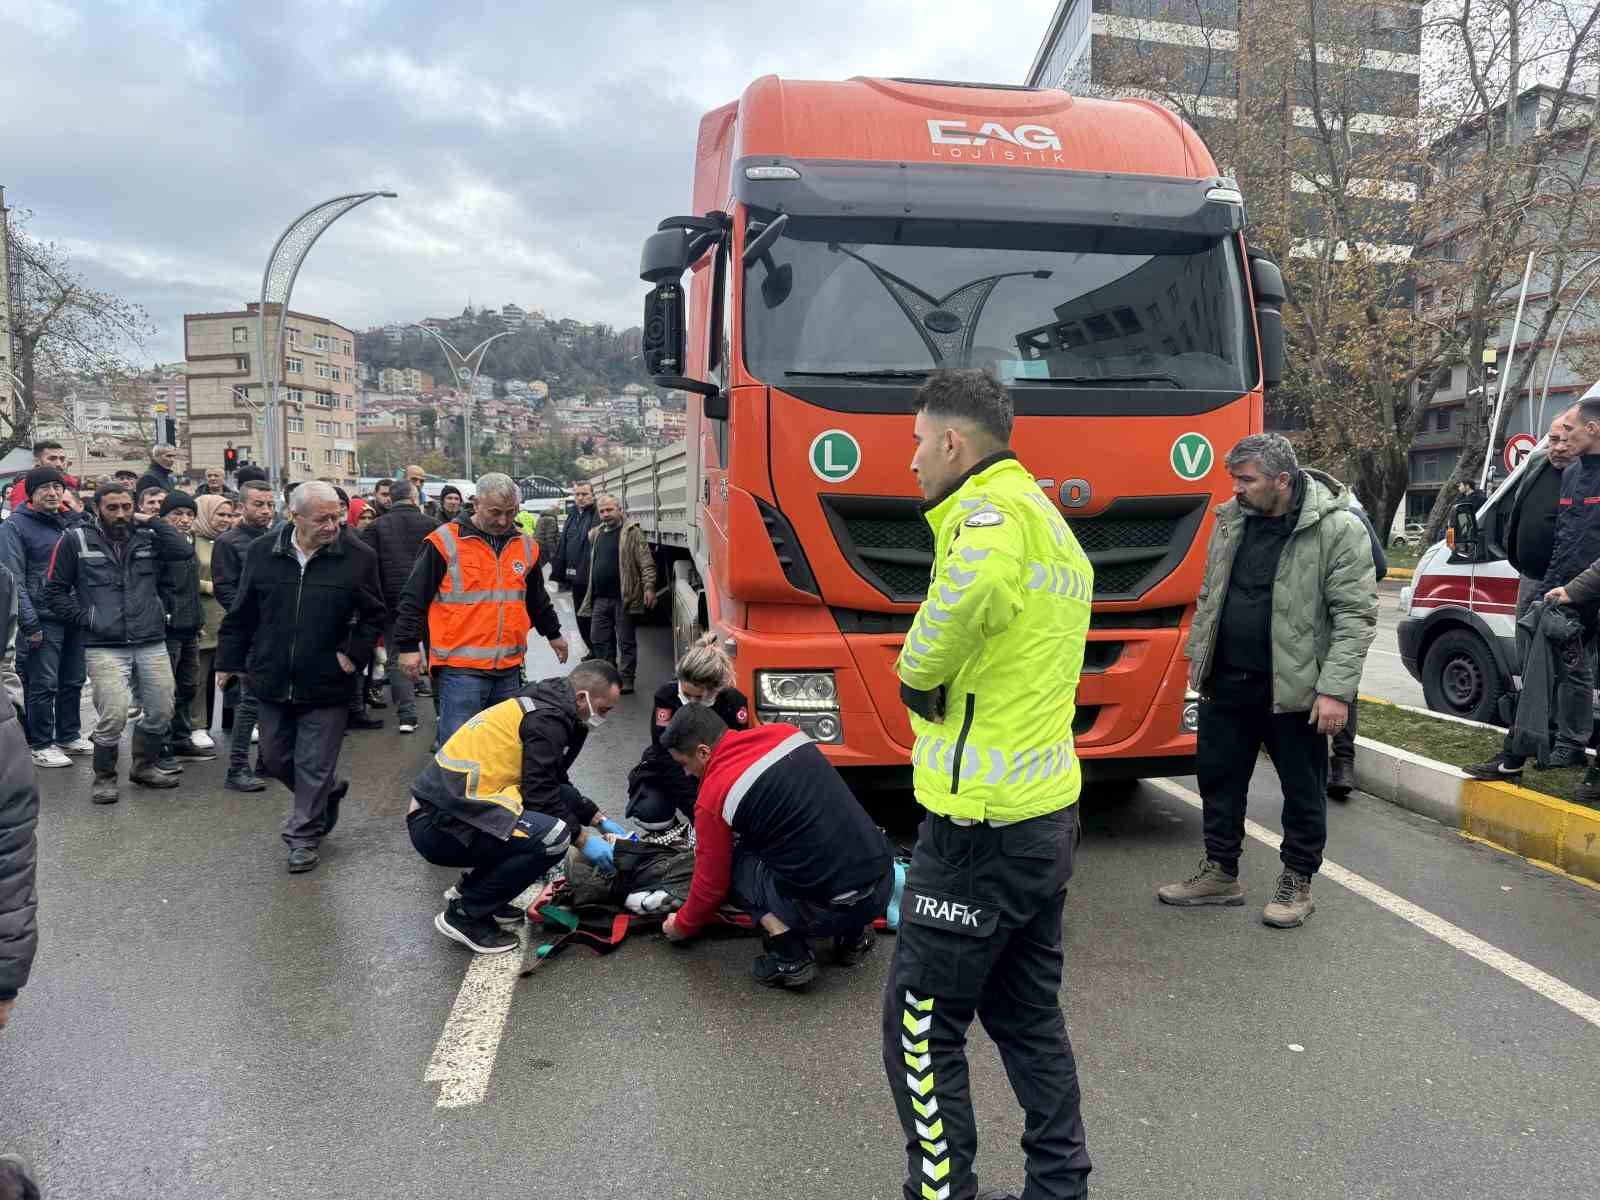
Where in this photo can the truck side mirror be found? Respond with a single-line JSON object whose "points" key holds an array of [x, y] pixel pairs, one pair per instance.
{"points": [[664, 329], [1266, 281], [1463, 533], [665, 256]]}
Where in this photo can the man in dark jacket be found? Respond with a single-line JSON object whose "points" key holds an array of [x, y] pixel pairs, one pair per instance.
{"points": [[180, 597], [1550, 553], [306, 618], [774, 821], [104, 579], [159, 474], [572, 553], [397, 538], [49, 653], [19, 850], [227, 566], [496, 799]]}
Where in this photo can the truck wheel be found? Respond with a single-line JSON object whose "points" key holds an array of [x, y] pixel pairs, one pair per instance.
{"points": [[1459, 677]]}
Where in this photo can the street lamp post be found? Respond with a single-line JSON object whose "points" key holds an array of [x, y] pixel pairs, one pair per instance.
{"points": [[277, 284], [1555, 349], [465, 368]]}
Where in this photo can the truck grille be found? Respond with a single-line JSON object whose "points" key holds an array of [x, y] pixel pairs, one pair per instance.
{"points": [[1133, 545]]}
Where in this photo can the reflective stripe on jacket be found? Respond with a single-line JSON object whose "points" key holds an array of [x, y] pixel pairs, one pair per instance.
{"points": [[1002, 630], [479, 618]]}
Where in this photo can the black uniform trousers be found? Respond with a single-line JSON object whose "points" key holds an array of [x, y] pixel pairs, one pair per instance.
{"points": [[1236, 720], [980, 935], [1342, 745]]}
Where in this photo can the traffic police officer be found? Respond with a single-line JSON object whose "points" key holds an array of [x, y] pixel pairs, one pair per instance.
{"points": [[989, 671]]}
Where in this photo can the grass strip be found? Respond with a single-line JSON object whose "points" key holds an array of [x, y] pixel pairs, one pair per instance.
{"points": [[1447, 742]]}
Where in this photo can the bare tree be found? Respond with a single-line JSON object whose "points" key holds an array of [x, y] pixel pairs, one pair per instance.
{"points": [[61, 327]]}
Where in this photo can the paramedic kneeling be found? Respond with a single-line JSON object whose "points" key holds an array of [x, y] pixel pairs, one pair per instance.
{"points": [[808, 861], [496, 799]]}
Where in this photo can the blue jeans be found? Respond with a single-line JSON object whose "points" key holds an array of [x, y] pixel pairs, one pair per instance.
{"points": [[53, 674], [461, 695]]}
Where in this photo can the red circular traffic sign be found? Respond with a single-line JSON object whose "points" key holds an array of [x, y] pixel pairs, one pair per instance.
{"points": [[1517, 449]]}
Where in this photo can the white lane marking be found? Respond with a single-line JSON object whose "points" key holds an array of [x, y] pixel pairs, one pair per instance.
{"points": [[1385, 653], [463, 1059], [1579, 1004]]}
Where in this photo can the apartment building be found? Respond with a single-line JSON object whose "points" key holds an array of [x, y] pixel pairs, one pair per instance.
{"points": [[317, 392]]}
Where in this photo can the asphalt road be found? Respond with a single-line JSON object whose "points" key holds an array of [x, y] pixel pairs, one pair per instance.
{"points": [[203, 1025]]}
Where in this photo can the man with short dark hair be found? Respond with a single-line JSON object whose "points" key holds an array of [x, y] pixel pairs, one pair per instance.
{"points": [[496, 799], [398, 537], [103, 579], [622, 588], [383, 495], [256, 514], [774, 821], [151, 499], [989, 673], [159, 474], [305, 621], [49, 652], [1288, 606], [572, 552]]}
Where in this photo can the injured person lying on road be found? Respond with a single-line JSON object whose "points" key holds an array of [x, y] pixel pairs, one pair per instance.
{"points": [[776, 823]]}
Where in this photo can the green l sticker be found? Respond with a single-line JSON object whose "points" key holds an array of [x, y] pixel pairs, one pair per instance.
{"points": [[1191, 456], [835, 456]]}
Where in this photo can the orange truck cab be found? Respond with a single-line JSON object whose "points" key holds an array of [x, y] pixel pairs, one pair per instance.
{"points": [[848, 238]]}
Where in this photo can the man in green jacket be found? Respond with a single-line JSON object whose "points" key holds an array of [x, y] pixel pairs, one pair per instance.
{"points": [[989, 671], [1287, 609]]}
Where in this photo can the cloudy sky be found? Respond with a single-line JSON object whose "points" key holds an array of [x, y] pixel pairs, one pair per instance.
{"points": [[533, 145]]}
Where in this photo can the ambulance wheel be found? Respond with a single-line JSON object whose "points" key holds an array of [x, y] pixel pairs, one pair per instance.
{"points": [[1459, 677]]}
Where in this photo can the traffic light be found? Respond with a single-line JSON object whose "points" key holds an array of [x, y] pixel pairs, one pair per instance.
{"points": [[230, 460], [168, 431]]}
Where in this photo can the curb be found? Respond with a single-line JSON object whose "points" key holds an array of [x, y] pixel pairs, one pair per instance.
{"points": [[1398, 573], [1548, 832]]}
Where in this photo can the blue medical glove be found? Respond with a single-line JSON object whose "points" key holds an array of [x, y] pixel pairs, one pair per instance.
{"points": [[598, 851], [607, 825]]}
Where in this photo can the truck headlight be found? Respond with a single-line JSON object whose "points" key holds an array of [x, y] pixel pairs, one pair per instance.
{"points": [[808, 700], [1190, 722]]}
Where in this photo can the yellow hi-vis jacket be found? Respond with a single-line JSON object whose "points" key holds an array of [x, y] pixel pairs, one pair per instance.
{"points": [[1002, 631]]}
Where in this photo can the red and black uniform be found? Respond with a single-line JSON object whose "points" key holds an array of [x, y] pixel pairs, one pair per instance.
{"points": [[806, 851], [658, 788]]}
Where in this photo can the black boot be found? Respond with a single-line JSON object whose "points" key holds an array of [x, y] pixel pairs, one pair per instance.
{"points": [[1341, 778], [104, 789], [788, 962], [146, 750]]}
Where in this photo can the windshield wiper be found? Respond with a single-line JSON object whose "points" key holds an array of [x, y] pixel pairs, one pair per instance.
{"points": [[1094, 379], [884, 374]]}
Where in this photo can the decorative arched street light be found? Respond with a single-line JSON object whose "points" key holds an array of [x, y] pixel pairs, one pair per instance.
{"points": [[465, 369], [1555, 349], [277, 284]]}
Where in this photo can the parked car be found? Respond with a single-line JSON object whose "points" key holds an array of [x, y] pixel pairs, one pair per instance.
{"points": [[1410, 536]]}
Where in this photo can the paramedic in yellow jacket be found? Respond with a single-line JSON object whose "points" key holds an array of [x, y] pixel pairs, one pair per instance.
{"points": [[989, 671]]}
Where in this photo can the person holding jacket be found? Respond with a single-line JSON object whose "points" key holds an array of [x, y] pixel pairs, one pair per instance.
{"points": [[256, 512], [989, 672], [496, 800], [1342, 745], [397, 537], [1288, 606], [180, 597], [104, 578], [622, 588], [214, 518], [477, 588], [19, 847], [1530, 537], [661, 793], [305, 621], [50, 654]]}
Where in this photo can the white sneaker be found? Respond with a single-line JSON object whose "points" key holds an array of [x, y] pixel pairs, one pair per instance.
{"points": [[50, 756], [255, 736], [406, 727], [201, 740], [81, 746]]}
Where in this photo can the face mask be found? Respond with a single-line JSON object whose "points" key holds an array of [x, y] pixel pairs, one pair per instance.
{"points": [[594, 720], [682, 699]]}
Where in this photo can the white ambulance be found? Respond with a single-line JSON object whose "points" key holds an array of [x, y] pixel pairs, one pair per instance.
{"points": [[1458, 633]]}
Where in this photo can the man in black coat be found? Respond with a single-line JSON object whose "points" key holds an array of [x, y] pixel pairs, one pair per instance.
{"points": [[19, 850], [180, 596], [572, 552], [306, 618], [159, 474], [104, 578], [396, 537], [256, 513]]}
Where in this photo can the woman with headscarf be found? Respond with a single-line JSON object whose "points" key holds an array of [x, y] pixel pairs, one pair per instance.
{"points": [[213, 518]]}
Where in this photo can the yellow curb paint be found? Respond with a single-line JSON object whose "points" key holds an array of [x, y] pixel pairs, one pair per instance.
{"points": [[1540, 828], [1534, 862], [1398, 573]]}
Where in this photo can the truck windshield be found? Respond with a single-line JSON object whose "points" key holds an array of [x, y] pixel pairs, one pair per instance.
{"points": [[861, 302]]}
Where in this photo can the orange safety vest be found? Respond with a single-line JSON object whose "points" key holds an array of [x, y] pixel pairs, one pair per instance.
{"points": [[479, 619]]}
